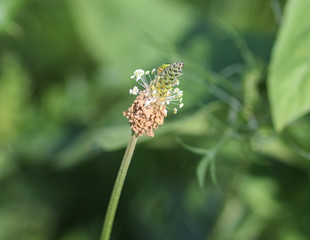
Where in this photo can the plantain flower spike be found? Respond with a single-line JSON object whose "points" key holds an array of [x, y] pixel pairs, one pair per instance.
{"points": [[159, 93]]}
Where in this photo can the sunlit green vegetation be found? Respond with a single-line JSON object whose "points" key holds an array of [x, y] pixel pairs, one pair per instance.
{"points": [[234, 163]]}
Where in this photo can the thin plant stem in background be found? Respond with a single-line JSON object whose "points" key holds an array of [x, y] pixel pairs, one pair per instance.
{"points": [[117, 189]]}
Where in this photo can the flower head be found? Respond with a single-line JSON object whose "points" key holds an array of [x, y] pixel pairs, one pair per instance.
{"points": [[150, 106]]}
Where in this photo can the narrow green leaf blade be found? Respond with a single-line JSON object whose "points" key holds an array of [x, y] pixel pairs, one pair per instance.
{"points": [[213, 173], [289, 74], [202, 169], [196, 150]]}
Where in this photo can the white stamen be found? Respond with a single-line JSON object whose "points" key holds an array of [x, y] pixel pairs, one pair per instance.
{"points": [[169, 98], [176, 90], [134, 91], [138, 73]]}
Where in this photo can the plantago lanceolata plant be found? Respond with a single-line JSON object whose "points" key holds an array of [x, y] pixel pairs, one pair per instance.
{"points": [[145, 115]]}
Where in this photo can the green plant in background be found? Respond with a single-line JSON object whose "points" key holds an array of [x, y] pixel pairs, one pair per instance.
{"points": [[63, 70], [289, 73], [145, 115], [288, 89]]}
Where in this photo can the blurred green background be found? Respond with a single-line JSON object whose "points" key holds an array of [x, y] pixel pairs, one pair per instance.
{"points": [[232, 164]]}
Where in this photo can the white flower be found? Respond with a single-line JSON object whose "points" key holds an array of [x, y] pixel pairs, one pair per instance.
{"points": [[176, 90], [156, 91], [134, 91], [138, 74]]}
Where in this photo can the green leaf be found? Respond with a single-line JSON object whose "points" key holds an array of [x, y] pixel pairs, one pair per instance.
{"points": [[196, 150], [203, 167], [110, 138], [8, 9], [289, 75], [213, 173], [116, 31]]}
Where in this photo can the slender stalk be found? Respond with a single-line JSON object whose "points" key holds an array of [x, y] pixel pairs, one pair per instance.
{"points": [[117, 189]]}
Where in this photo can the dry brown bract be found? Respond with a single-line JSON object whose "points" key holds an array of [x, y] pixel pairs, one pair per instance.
{"points": [[145, 119]]}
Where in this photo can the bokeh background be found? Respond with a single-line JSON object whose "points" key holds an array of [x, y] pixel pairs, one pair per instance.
{"points": [[216, 170]]}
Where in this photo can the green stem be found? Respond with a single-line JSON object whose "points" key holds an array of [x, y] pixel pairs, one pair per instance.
{"points": [[117, 189]]}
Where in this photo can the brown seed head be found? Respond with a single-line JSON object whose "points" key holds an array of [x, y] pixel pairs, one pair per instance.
{"points": [[144, 118]]}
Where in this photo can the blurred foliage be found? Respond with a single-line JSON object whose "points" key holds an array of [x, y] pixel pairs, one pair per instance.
{"points": [[65, 70], [289, 73]]}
